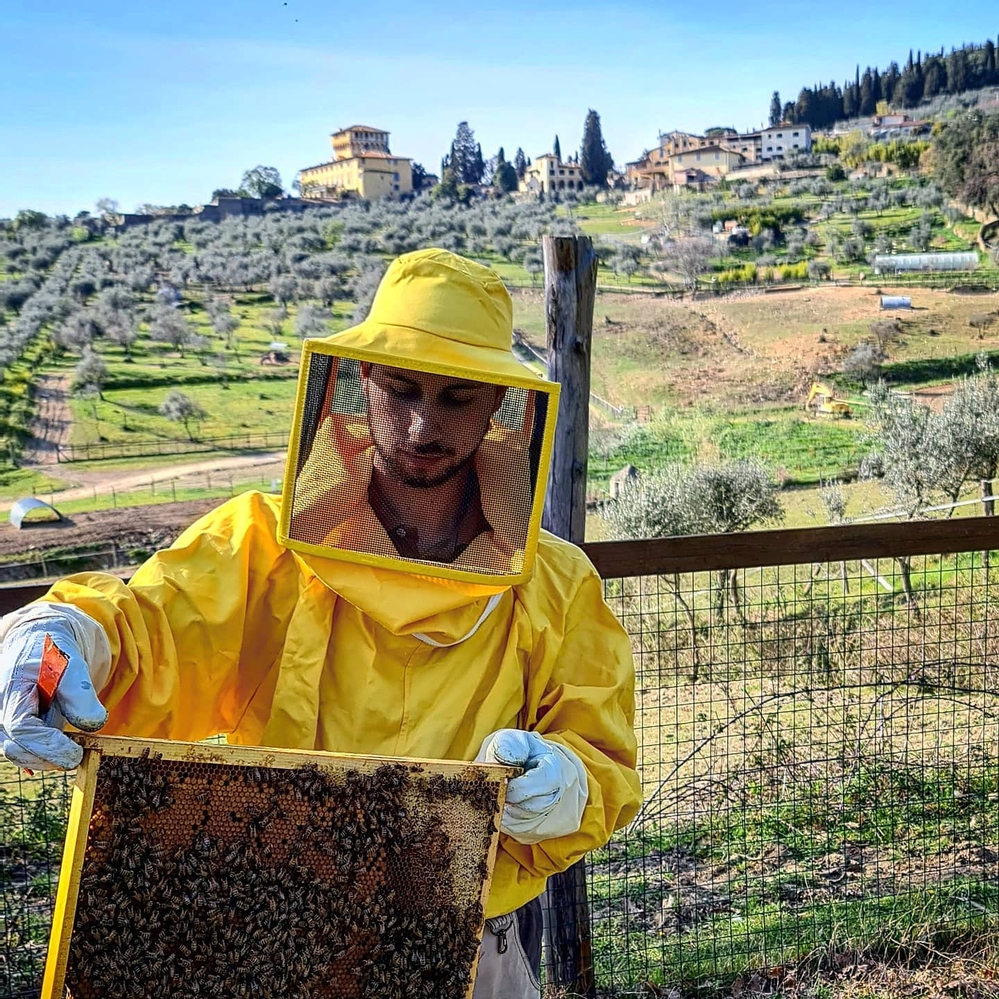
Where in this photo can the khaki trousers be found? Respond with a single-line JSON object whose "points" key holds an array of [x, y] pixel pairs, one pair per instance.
{"points": [[510, 956]]}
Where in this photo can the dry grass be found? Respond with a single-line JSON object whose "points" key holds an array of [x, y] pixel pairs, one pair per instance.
{"points": [[726, 353]]}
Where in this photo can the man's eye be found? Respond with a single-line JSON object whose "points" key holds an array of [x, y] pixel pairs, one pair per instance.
{"points": [[456, 399], [403, 391]]}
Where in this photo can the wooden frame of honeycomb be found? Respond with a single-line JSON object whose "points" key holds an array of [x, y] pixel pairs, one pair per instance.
{"points": [[193, 869]]}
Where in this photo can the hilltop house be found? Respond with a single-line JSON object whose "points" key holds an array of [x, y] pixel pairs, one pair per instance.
{"points": [[362, 165], [785, 140], [684, 160], [548, 174], [895, 126]]}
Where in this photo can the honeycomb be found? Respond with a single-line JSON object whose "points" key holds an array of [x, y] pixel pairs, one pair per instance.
{"points": [[216, 879]]}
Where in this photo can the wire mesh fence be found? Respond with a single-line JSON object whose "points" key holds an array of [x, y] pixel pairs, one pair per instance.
{"points": [[818, 723], [819, 752]]}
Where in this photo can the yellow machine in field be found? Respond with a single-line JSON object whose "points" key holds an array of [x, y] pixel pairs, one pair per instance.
{"points": [[822, 401]]}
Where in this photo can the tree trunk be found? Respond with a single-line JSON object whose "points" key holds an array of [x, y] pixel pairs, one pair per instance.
{"points": [[692, 624], [905, 570], [736, 598], [721, 592]]}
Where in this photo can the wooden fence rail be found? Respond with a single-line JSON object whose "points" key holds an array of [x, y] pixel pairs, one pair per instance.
{"points": [[750, 549], [795, 546]]}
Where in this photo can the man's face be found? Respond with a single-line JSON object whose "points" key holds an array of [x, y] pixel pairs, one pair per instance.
{"points": [[426, 428]]}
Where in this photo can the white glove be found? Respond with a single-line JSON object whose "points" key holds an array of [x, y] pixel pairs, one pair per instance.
{"points": [[27, 739], [548, 799]]}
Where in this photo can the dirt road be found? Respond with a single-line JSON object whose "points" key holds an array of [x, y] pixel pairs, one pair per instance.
{"points": [[52, 421], [103, 482]]}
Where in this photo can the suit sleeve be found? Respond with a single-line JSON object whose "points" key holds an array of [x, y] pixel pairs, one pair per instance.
{"points": [[176, 630], [586, 702]]}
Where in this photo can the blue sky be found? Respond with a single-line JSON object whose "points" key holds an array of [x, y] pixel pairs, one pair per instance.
{"points": [[162, 102]]}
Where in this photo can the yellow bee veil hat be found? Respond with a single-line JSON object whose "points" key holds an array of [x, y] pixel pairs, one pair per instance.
{"points": [[421, 404]]}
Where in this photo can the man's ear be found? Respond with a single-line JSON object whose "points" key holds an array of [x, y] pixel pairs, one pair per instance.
{"points": [[500, 396]]}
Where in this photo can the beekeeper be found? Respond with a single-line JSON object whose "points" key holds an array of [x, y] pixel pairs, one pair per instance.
{"points": [[398, 599]]}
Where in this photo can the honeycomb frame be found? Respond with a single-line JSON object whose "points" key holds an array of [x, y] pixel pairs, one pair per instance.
{"points": [[432, 819]]}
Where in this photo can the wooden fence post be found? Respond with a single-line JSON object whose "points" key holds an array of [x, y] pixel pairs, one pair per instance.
{"points": [[570, 289]]}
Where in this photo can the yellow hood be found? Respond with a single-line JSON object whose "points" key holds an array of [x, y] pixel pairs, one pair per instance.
{"points": [[433, 312], [436, 310], [405, 604]]}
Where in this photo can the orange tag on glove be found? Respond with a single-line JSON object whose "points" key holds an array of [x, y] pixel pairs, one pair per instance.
{"points": [[54, 662]]}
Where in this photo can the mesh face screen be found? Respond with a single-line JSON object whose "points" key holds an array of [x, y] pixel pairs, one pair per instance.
{"points": [[430, 469]]}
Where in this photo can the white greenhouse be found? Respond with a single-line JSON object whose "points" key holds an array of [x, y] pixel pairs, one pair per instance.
{"points": [[901, 263]]}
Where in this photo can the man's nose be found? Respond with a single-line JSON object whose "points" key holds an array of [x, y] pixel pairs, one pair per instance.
{"points": [[423, 424]]}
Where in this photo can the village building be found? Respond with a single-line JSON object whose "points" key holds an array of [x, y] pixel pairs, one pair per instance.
{"points": [[750, 144], [786, 140], [896, 126], [363, 166], [550, 175], [685, 161]]}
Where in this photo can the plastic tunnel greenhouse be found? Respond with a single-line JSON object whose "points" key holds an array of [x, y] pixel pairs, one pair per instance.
{"points": [[901, 263]]}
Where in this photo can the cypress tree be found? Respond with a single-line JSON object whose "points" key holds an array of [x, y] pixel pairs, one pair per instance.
{"points": [[596, 161], [520, 163], [851, 101], [465, 158], [934, 77], [504, 175], [776, 110], [557, 150], [868, 98]]}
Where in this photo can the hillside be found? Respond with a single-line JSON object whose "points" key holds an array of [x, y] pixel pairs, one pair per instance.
{"points": [[110, 323]]}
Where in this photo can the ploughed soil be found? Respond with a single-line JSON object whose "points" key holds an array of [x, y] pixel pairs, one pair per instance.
{"points": [[124, 536]]}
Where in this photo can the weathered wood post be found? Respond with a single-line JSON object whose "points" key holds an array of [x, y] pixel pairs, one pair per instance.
{"points": [[570, 288]]}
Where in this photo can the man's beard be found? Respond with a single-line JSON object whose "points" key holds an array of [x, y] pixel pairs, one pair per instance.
{"points": [[423, 481]]}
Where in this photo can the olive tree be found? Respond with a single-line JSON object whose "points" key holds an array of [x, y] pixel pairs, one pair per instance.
{"points": [[91, 374], [732, 497], [909, 453], [311, 320], [834, 503], [690, 257], [678, 500], [169, 325], [274, 319], [76, 333], [223, 321], [182, 408], [969, 432]]}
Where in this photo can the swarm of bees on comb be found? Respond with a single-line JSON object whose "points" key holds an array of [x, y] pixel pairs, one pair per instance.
{"points": [[209, 879]]}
